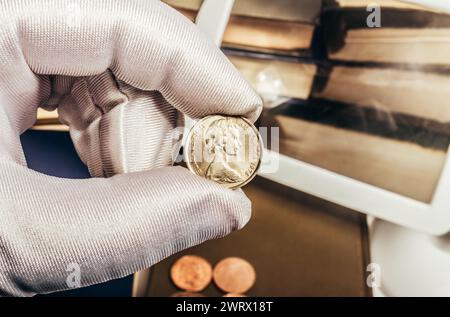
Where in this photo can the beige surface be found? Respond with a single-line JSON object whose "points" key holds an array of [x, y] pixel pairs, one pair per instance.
{"points": [[276, 77], [45, 116], [401, 167], [51, 127], [425, 95], [382, 3], [264, 33], [427, 46], [48, 121]]}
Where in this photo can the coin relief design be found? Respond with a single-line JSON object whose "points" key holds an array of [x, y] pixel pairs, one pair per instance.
{"points": [[226, 150], [191, 273], [234, 275]]}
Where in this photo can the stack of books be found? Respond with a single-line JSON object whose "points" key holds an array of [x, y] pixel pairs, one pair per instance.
{"points": [[398, 33], [379, 111], [269, 42], [402, 66], [264, 25]]}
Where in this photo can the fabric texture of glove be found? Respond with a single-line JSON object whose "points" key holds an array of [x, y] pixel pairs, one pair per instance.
{"points": [[121, 74]]}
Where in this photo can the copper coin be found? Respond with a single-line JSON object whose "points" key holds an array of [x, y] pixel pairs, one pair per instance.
{"points": [[191, 273], [187, 294], [234, 275]]}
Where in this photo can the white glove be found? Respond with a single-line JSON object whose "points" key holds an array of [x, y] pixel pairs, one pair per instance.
{"points": [[120, 73]]}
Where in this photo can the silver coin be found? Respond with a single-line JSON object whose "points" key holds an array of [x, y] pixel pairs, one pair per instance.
{"points": [[226, 150]]}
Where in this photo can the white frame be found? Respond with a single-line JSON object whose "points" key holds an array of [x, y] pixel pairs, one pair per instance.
{"points": [[433, 218]]}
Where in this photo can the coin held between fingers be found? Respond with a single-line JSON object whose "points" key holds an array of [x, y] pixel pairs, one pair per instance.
{"points": [[224, 149]]}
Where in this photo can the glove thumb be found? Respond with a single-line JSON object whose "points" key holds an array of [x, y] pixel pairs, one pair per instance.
{"points": [[105, 228]]}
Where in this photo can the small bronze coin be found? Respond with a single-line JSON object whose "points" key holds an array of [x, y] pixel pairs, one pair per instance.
{"points": [[187, 294], [234, 275], [191, 273]]}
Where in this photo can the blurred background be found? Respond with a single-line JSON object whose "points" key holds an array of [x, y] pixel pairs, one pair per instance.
{"points": [[363, 95]]}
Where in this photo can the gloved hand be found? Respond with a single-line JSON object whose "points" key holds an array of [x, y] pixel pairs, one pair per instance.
{"points": [[121, 73]]}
